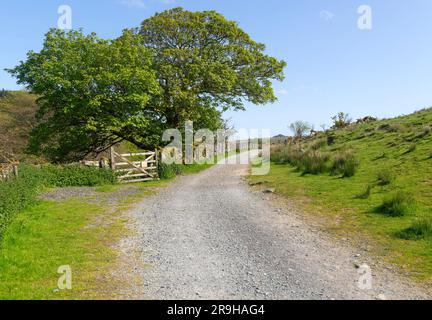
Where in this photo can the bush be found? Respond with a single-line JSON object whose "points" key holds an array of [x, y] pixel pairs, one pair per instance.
{"points": [[420, 229], [331, 140], [286, 155], [366, 194], [16, 194], [385, 177], [318, 144], [68, 176], [341, 120], [397, 205], [168, 171], [345, 164], [411, 148], [313, 162]]}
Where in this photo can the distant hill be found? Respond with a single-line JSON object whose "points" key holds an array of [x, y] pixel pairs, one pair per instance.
{"points": [[17, 117]]}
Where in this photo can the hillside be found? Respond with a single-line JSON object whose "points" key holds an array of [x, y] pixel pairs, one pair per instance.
{"points": [[17, 117], [386, 206]]}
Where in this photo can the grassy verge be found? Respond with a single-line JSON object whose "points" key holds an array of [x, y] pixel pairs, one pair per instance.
{"points": [[80, 233], [386, 204]]}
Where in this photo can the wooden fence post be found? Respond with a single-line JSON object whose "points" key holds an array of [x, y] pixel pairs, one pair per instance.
{"points": [[112, 159], [15, 171], [102, 164]]}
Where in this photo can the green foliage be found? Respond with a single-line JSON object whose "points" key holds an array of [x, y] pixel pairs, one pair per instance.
{"points": [[345, 164], [385, 177], [180, 66], [318, 144], [204, 64], [421, 228], [300, 129], [339, 199], [366, 194], [397, 205], [93, 93], [286, 155], [313, 162], [411, 148], [341, 120], [68, 176], [16, 194], [169, 171]]}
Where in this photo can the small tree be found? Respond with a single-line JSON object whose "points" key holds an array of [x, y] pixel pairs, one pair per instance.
{"points": [[341, 120], [300, 129], [3, 93]]}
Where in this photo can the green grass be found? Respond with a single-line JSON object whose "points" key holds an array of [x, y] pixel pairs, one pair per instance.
{"points": [[347, 206], [79, 233], [50, 235]]}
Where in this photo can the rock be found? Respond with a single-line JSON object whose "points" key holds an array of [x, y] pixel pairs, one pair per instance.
{"points": [[56, 291], [269, 191]]}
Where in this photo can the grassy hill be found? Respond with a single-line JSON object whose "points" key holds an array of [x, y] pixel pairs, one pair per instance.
{"points": [[17, 117], [383, 203]]}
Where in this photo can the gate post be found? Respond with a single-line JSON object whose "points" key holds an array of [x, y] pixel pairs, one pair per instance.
{"points": [[112, 159], [15, 171]]}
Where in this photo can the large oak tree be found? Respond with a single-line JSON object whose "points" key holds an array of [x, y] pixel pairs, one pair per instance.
{"points": [[206, 65], [178, 66]]}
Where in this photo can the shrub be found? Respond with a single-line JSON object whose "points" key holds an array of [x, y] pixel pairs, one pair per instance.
{"points": [[341, 120], [426, 131], [16, 194], [286, 155], [365, 194], [318, 144], [68, 176], [411, 148], [385, 177], [397, 205], [313, 162], [421, 228], [168, 171], [345, 164], [331, 140]]}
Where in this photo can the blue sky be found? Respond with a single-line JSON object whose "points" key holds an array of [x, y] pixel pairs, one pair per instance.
{"points": [[332, 64]]}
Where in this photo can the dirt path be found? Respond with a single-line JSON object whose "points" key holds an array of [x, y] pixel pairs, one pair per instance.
{"points": [[207, 236]]}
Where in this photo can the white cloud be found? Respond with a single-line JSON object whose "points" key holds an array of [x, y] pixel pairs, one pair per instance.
{"points": [[283, 92], [327, 15]]}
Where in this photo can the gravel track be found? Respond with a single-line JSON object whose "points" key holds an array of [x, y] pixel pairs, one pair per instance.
{"points": [[207, 236]]}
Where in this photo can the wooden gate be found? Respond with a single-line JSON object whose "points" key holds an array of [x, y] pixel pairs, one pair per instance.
{"points": [[134, 167], [8, 170]]}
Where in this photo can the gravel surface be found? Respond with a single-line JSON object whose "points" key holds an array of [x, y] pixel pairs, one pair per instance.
{"points": [[207, 236]]}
